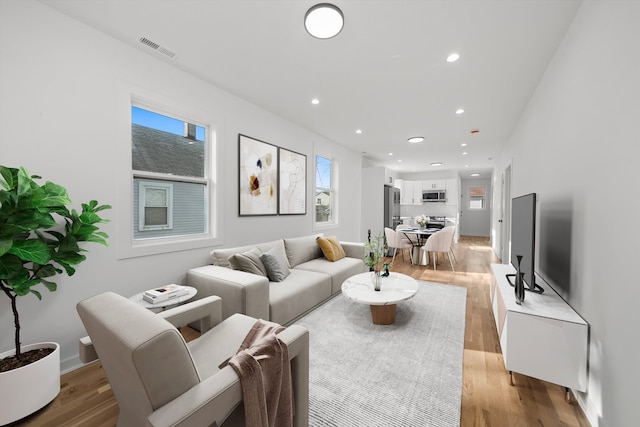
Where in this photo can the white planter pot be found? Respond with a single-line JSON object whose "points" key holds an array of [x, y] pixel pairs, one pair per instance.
{"points": [[28, 389]]}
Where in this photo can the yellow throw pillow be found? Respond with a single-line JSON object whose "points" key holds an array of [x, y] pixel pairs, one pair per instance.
{"points": [[331, 248]]}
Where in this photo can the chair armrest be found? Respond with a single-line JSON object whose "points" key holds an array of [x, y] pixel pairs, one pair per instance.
{"points": [[207, 310], [215, 398], [210, 400], [241, 292], [353, 249]]}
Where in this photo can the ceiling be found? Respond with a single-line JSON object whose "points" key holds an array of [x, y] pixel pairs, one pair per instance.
{"points": [[385, 73]]}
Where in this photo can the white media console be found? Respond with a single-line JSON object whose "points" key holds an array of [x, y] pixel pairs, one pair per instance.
{"points": [[543, 337]]}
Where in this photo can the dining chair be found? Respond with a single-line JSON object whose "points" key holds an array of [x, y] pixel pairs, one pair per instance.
{"points": [[440, 241], [395, 241], [412, 238]]}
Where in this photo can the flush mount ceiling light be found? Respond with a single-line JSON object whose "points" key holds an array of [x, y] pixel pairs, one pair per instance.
{"points": [[315, 101], [459, 111], [475, 174], [415, 139], [453, 57], [436, 164], [324, 21]]}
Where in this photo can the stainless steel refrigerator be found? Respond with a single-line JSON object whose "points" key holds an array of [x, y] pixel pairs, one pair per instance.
{"points": [[391, 206]]}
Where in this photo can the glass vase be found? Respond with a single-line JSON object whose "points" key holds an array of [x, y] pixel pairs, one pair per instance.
{"points": [[376, 279]]}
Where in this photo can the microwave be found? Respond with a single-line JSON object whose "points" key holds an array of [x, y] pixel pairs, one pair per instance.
{"points": [[434, 196]]}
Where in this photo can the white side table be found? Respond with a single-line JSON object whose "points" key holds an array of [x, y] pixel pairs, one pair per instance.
{"points": [[163, 305]]}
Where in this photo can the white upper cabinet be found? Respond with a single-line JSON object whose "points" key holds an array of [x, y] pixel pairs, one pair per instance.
{"points": [[436, 184], [410, 192]]}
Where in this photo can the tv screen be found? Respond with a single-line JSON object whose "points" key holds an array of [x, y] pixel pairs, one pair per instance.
{"points": [[523, 237]]}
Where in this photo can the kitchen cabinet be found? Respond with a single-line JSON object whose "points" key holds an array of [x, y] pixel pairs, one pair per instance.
{"points": [[453, 195], [388, 177], [436, 184], [410, 192]]}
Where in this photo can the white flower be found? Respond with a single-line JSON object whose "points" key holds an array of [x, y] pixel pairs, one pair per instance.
{"points": [[422, 220]]}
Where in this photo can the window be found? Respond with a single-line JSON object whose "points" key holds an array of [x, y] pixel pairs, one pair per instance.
{"points": [[476, 198], [170, 192], [156, 206], [324, 191]]}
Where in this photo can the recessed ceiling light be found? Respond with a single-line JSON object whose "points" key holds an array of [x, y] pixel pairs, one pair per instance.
{"points": [[459, 111], [415, 139], [475, 174], [358, 131], [315, 101], [466, 166], [464, 144], [436, 164], [391, 154], [453, 57], [465, 153], [324, 21], [399, 160]]}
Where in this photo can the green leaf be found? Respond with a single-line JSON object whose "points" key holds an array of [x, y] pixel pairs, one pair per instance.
{"points": [[24, 182], [9, 177], [36, 293], [47, 270], [10, 266], [50, 285], [31, 250], [5, 245], [54, 195]]}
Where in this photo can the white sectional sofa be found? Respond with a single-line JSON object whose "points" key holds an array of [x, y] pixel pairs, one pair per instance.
{"points": [[312, 279]]}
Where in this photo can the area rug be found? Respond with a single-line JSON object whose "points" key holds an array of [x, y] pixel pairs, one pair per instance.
{"points": [[405, 374]]}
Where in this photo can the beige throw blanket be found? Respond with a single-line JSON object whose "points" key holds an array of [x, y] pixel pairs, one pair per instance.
{"points": [[262, 362]]}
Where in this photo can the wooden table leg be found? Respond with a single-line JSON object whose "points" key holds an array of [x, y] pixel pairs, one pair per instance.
{"points": [[383, 314]]}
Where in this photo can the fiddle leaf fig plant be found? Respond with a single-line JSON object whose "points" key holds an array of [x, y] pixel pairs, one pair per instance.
{"points": [[40, 236]]}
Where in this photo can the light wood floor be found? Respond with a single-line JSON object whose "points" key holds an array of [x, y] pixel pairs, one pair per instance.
{"points": [[487, 397]]}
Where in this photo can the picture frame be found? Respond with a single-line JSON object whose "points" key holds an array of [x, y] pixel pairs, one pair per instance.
{"points": [[292, 172], [257, 177]]}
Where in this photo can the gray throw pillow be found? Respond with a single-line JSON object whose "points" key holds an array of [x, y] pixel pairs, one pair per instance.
{"points": [[248, 261], [275, 264]]}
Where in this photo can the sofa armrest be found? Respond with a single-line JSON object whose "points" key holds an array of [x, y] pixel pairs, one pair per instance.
{"points": [[214, 398], [241, 292], [353, 249], [207, 310]]}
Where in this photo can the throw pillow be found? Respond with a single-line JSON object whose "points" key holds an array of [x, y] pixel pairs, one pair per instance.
{"points": [[275, 265], [248, 261], [331, 248]]}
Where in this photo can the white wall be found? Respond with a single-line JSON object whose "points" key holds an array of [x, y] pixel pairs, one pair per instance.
{"points": [[576, 142], [64, 114]]}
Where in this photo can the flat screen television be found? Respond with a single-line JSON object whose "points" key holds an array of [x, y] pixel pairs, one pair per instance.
{"points": [[523, 239]]}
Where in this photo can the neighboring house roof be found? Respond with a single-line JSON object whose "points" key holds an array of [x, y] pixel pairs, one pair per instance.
{"points": [[162, 152]]}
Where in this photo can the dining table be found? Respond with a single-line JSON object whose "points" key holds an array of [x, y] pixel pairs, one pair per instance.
{"points": [[420, 236]]}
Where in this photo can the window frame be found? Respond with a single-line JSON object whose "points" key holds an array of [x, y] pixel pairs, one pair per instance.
{"points": [[143, 186], [472, 198], [127, 246], [333, 190]]}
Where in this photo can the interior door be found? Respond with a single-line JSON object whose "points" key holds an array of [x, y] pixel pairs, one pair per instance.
{"points": [[505, 221]]}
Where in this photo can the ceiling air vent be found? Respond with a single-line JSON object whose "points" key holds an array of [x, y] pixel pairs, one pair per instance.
{"points": [[155, 46]]}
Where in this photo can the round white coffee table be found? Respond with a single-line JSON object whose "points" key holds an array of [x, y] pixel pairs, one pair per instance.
{"points": [[395, 288]]}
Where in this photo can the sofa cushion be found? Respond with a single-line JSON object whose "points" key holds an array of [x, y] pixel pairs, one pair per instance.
{"points": [[275, 264], [248, 261], [299, 293], [220, 257], [331, 248], [302, 249], [339, 271]]}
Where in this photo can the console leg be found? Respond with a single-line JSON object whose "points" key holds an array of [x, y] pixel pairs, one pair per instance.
{"points": [[567, 395], [511, 378]]}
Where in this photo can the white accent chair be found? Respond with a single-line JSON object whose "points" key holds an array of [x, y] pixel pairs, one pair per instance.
{"points": [[160, 380], [440, 241], [395, 241]]}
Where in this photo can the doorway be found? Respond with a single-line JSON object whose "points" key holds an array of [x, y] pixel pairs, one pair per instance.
{"points": [[505, 219], [475, 209]]}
